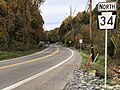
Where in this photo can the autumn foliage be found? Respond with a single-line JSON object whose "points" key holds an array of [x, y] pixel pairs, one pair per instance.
{"points": [[21, 24]]}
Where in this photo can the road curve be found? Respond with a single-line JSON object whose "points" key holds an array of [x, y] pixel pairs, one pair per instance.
{"points": [[36, 72]]}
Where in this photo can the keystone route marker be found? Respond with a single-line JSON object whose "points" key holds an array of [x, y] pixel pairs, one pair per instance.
{"points": [[106, 20], [107, 16]]}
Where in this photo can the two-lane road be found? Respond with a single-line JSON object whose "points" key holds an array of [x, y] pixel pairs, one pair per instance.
{"points": [[46, 70]]}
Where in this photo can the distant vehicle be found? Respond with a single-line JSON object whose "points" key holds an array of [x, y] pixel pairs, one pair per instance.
{"points": [[48, 42], [58, 43], [42, 44]]}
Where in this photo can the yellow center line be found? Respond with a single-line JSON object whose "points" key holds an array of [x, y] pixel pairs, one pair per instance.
{"points": [[34, 60]]}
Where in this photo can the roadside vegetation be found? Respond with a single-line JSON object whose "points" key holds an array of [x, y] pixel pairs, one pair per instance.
{"points": [[21, 27], [14, 54], [21, 24], [99, 67]]}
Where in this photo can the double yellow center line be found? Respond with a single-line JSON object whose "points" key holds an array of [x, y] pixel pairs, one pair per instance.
{"points": [[29, 61]]}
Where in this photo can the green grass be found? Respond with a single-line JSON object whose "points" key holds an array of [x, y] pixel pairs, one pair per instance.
{"points": [[98, 65], [9, 55]]}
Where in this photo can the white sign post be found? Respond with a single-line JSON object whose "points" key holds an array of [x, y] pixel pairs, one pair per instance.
{"points": [[80, 41], [106, 20]]}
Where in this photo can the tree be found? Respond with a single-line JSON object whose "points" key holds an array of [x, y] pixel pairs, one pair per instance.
{"points": [[52, 35], [20, 21], [4, 13]]}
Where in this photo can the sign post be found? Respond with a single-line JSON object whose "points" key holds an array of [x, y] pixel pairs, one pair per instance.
{"points": [[106, 34], [80, 41], [106, 21]]}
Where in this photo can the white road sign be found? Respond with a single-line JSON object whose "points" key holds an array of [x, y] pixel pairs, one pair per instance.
{"points": [[107, 15], [103, 6], [106, 20], [81, 41]]}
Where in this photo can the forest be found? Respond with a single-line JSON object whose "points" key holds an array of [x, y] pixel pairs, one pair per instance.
{"points": [[21, 24]]}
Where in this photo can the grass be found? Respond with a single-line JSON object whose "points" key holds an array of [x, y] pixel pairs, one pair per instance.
{"points": [[9, 55], [98, 65]]}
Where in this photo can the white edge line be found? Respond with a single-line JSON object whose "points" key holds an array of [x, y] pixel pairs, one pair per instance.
{"points": [[37, 75], [25, 56]]}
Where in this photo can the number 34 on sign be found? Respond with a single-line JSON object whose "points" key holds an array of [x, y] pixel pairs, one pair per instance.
{"points": [[107, 16], [107, 20]]}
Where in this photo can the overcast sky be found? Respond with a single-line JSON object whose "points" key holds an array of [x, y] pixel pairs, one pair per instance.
{"points": [[55, 11]]}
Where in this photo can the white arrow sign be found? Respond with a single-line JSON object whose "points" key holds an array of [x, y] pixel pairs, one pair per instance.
{"points": [[106, 20]]}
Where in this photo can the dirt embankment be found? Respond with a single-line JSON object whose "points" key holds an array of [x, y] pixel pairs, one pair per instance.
{"points": [[114, 70]]}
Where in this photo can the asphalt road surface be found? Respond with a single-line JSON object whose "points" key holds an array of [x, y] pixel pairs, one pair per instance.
{"points": [[49, 69]]}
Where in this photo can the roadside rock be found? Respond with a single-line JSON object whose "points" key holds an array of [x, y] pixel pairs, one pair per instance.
{"points": [[87, 81]]}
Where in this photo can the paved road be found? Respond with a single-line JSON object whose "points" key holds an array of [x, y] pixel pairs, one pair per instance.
{"points": [[49, 69]]}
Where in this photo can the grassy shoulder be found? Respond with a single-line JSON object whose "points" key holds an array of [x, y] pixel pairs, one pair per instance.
{"points": [[98, 65], [14, 54]]}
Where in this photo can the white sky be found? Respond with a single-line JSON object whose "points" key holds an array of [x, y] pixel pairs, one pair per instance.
{"points": [[55, 11]]}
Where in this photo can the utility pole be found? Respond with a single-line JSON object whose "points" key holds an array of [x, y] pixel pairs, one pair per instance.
{"points": [[91, 36]]}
